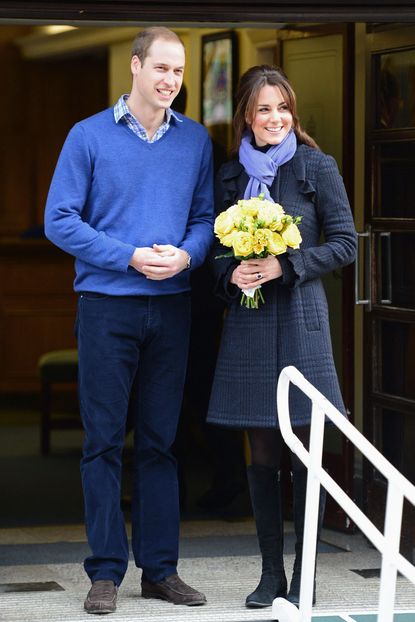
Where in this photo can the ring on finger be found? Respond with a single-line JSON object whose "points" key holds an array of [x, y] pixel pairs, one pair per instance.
{"points": [[258, 276]]}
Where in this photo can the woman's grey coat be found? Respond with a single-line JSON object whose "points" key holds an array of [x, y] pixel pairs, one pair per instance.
{"points": [[292, 327]]}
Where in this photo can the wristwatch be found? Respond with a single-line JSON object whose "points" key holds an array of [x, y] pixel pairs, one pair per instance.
{"points": [[189, 261]]}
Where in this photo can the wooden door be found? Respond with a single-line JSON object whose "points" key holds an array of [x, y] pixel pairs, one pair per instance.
{"points": [[389, 323]]}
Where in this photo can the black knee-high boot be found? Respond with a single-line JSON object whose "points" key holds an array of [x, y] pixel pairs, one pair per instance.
{"points": [[299, 495], [264, 488]]}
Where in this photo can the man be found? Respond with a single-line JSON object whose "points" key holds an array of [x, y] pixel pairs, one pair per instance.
{"points": [[131, 199]]}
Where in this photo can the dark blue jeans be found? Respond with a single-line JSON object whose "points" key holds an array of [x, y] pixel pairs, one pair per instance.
{"points": [[132, 358]]}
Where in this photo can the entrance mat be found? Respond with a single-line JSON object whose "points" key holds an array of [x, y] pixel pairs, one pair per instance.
{"points": [[370, 573], [35, 586], [209, 546]]}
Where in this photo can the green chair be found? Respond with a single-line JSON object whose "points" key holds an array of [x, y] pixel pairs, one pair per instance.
{"points": [[59, 368]]}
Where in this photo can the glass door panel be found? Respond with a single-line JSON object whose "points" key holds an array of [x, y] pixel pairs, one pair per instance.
{"points": [[394, 175], [395, 438], [395, 86], [397, 354], [395, 269]]}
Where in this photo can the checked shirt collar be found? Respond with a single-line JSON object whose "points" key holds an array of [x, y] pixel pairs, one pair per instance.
{"points": [[122, 113]]}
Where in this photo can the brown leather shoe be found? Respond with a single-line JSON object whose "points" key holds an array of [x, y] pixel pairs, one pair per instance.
{"points": [[102, 597], [174, 590]]}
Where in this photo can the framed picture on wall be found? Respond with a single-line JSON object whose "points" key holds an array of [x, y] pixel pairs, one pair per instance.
{"points": [[219, 76]]}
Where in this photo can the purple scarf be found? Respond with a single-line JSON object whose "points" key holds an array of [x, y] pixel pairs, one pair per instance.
{"points": [[262, 167]]}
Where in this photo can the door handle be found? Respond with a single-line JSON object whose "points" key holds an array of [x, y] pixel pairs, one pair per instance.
{"points": [[362, 279], [388, 265]]}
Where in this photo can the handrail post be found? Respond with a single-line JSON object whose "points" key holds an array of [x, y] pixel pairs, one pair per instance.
{"points": [[311, 514], [392, 533]]}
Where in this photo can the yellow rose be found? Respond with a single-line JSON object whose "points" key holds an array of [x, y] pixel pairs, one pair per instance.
{"points": [[247, 207], [233, 211], [223, 224], [270, 213], [292, 236], [258, 247], [262, 235], [246, 223], [276, 244], [242, 244], [266, 215], [276, 225], [227, 240]]}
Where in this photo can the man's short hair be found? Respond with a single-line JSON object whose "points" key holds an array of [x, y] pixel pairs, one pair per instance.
{"points": [[146, 38]]}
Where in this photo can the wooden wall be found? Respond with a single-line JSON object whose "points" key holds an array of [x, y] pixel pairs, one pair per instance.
{"points": [[16, 182], [41, 102], [37, 309], [64, 92]]}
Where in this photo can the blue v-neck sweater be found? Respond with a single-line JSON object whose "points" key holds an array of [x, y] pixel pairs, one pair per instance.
{"points": [[112, 192]]}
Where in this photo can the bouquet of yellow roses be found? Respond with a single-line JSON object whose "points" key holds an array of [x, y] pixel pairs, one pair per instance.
{"points": [[256, 228]]}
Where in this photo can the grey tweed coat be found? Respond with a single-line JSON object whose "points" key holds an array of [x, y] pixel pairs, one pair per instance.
{"points": [[292, 327]]}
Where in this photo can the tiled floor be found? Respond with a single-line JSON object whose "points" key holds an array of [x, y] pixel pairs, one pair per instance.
{"points": [[226, 579]]}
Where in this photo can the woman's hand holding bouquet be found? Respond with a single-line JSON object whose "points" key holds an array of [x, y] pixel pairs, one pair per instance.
{"points": [[254, 229]]}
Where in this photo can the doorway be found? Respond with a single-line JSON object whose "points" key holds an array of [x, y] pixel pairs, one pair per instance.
{"points": [[331, 45]]}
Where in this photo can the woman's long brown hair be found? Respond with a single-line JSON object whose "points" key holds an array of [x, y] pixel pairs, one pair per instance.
{"points": [[250, 84]]}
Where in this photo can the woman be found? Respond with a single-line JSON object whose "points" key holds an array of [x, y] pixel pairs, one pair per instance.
{"points": [[276, 156]]}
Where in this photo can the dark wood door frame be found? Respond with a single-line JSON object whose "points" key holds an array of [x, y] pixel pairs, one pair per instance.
{"points": [[214, 11], [378, 398]]}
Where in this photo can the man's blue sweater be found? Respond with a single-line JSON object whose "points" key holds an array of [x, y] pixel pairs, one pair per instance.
{"points": [[112, 192]]}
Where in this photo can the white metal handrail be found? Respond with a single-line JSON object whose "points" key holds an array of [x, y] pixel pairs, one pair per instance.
{"points": [[398, 488]]}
